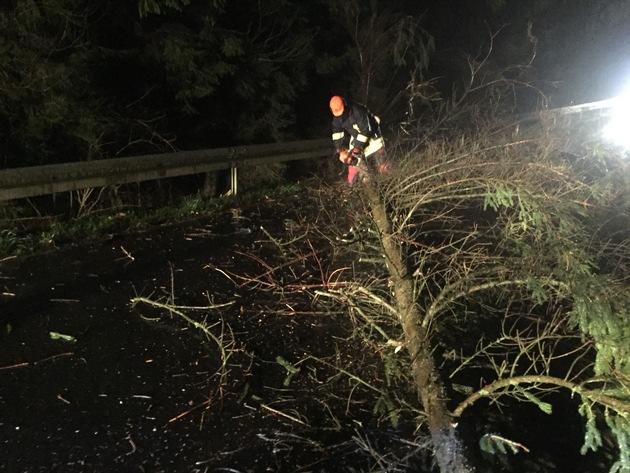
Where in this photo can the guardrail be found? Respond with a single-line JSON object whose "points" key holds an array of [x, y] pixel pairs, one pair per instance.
{"points": [[578, 123], [49, 179], [582, 120]]}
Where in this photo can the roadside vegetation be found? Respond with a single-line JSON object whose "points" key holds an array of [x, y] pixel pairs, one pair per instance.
{"points": [[31, 225], [25, 235]]}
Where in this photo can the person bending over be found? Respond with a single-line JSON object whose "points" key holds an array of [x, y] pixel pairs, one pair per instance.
{"points": [[355, 125]]}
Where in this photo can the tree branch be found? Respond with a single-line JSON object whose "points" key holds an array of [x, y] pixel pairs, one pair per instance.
{"points": [[618, 405]]}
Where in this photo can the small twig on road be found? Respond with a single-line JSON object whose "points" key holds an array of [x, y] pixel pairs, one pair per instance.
{"points": [[63, 399], [174, 308], [280, 413], [126, 253], [28, 363], [220, 271], [68, 353], [19, 365], [133, 445], [188, 411]]}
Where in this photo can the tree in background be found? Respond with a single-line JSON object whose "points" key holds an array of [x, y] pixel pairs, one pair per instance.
{"points": [[384, 47], [230, 71], [49, 109], [83, 80]]}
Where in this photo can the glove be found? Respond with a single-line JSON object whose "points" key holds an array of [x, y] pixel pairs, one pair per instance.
{"points": [[344, 156], [355, 157]]}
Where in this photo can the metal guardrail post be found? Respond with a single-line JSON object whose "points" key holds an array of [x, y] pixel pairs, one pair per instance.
{"points": [[233, 179]]}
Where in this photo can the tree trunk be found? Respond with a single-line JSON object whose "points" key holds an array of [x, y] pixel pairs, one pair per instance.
{"points": [[447, 447]]}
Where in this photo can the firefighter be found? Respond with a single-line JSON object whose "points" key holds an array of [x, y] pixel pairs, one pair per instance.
{"points": [[355, 124]]}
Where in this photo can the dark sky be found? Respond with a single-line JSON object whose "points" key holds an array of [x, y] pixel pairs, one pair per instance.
{"points": [[582, 49]]}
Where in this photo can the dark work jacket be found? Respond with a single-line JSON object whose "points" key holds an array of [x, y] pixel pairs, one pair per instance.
{"points": [[358, 123]]}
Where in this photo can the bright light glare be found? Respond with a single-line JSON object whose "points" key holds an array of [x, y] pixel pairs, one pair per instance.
{"points": [[618, 128]]}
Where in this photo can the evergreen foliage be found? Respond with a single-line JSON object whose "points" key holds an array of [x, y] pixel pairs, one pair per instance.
{"points": [[47, 102], [509, 236]]}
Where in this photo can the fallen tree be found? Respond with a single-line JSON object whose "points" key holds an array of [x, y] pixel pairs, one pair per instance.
{"points": [[512, 236]]}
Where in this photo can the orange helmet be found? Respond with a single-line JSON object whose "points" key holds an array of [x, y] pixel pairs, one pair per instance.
{"points": [[337, 105]]}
